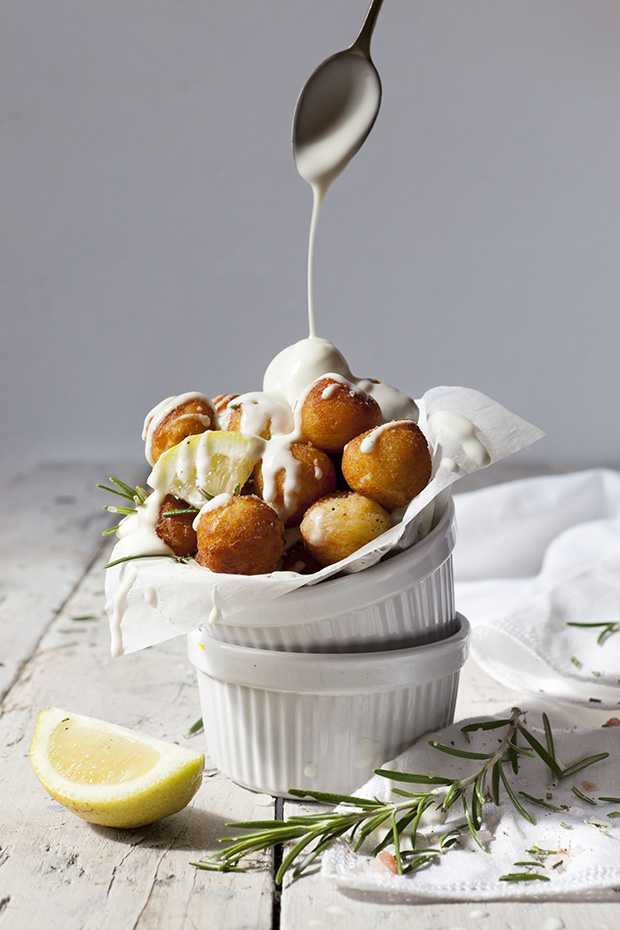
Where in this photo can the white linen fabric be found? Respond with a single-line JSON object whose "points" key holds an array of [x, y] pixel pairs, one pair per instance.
{"points": [[576, 848], [533, 557]]}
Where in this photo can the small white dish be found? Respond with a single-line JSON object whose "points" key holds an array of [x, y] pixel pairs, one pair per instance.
{"points": [[321, 721]]}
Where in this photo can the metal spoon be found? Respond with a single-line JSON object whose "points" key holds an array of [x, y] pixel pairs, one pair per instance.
{"points": [[337, 108]]}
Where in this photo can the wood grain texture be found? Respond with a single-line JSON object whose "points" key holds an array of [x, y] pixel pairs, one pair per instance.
{"points": [[57, 871]]}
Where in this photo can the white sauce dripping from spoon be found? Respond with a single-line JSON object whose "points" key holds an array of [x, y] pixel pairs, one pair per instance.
{"points": [[335, 112]]}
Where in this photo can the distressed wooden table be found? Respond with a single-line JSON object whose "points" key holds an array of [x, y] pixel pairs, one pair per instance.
{"points": [[57, 871]]}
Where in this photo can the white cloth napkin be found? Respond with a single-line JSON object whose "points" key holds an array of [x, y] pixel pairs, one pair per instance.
{"points": [[533, 556], [578, 847]]}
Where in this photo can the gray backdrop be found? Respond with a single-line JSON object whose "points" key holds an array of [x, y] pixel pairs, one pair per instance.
{"points": [[154, 230]]}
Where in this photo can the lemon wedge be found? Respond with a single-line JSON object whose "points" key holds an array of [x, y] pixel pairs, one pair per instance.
{"points": [[109, 774], [210, 463]]}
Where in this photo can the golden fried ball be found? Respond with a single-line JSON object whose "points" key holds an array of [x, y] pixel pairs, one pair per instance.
{"points": [[243, 536], [391, 465], [334, 411], [222, 401], [259, 414], [311, 475], [176, 529], [340, 524], [192, 416]]}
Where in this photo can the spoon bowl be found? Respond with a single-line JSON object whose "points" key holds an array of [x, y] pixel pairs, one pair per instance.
{"points": [[337, 108]]}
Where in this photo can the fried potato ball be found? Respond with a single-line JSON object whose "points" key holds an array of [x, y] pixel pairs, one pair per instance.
{"points": [[340, 524], [242, 536], [194, 415], [306, 474], [175, 528], [390, 465], [221, 403], [259, 414], [299, 559], [334, 411]]}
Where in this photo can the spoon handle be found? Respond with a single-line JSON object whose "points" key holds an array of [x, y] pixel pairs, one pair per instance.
{"points": [[362, 42]]}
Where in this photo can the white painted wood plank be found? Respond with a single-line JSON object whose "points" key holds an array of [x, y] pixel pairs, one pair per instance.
{"points": [[51, 520], [313, 904], [56, 871]]}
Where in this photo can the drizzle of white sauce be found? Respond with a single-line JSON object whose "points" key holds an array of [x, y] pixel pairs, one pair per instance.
{"points": [[365, 752], [127, 577], [138, 529], [261, 411], [369, 443], [218, 501], [215, 614], [336, 136], [394, 404], [462, 430], [155, 416], [150, 595], [449, 464], [298, 366], [279, 460]]}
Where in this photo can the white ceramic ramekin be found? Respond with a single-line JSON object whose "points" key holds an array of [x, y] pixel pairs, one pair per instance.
{"points": [[280, 720], [406, 600]]}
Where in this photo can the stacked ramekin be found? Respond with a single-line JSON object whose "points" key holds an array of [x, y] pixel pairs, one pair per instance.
{"points": [[317, 688]]}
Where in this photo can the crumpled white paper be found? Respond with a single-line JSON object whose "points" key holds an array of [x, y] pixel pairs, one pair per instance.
{"points": [[533, 556], [159, 598], [578, 846]]}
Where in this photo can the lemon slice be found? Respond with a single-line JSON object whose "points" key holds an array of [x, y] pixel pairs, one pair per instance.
{"points": [[210, 463], [111, 775]]}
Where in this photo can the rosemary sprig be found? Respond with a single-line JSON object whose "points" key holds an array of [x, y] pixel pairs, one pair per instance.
{"points": [[358, 818], [180, 511], [153, 555], [136, 496], [531, 866], [607, 629]]}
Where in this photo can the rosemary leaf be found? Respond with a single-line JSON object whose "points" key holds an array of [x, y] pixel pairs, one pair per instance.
{"points": [[396, 841], [417, 779], [495, 781], [325, 797], [524, 877], [582, 796], [196, 727], [127, 496], [462, 753], [540, 802], [513, 752], [519, 807], [133, 558], [110, 531], [583, 763], [485, 725], [180, 512], [548, 735], [548, 759], [471, 824]]}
